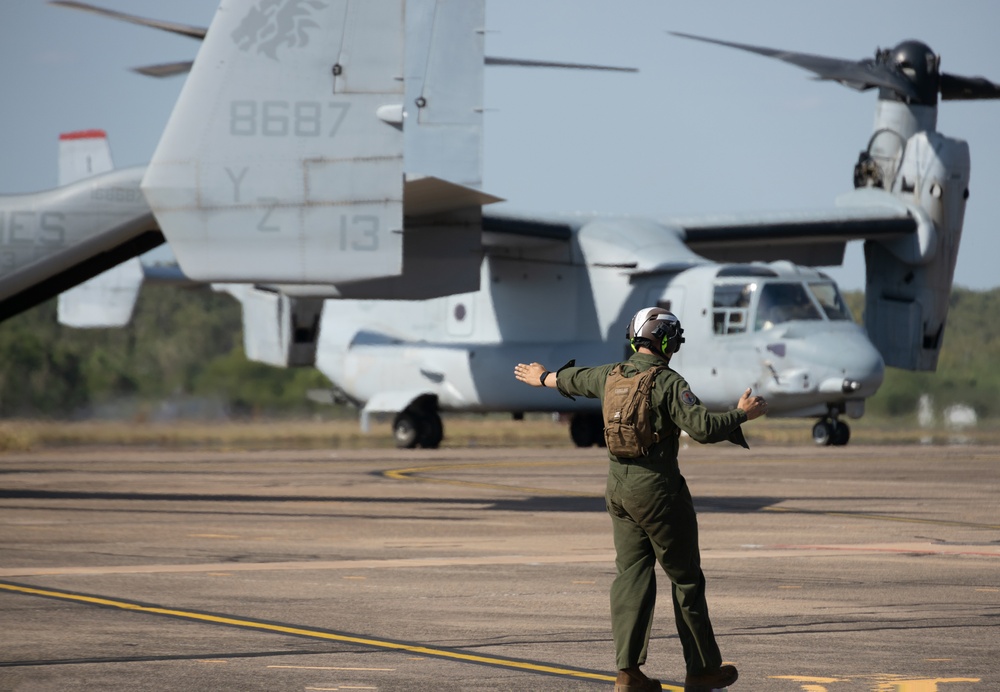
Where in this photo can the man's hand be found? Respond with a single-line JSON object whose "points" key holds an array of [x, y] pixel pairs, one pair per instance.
{"points": [[753, 406], [530, 373]]}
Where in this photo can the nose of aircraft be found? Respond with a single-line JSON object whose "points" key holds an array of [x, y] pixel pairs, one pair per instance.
{"points": [[856, 368], [837, 362]]}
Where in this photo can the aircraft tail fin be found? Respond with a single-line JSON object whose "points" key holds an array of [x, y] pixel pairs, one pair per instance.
{"points": [[83, 154], [107, 299], [277, 330], [285, 158], [279, 162]]}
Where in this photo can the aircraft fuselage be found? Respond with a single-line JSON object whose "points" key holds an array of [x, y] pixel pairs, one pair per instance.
{"points": [[461, 349]]}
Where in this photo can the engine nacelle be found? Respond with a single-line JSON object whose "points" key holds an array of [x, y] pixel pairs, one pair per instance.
{"points": [[909, 280]]}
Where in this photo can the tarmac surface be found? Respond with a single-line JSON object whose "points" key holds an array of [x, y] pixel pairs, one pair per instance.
{"points": [[854, 568]]}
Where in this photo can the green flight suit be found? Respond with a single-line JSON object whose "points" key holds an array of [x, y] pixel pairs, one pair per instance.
{"points": [[653, 516]]}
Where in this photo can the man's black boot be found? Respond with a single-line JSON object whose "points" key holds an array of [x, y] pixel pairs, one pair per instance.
{"points": [[711, 679]]}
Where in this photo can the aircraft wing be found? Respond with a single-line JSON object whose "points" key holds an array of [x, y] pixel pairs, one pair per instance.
{"points": [[810, 238]]}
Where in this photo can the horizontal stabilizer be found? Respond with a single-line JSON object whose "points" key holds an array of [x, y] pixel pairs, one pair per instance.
{"points": [[426, 195], [62, 237], [59, 273]]}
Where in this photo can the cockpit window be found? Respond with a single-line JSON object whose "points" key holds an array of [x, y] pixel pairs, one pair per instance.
{"points": [[731, 307], [783, 302], [830, 300]]}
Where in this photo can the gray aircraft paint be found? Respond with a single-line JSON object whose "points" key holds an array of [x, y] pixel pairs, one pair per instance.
{"points": [[350, 175]]}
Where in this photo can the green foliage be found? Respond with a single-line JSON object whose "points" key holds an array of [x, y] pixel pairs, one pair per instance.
{"points": [[188, 343], [253, 387], [180, 343]]}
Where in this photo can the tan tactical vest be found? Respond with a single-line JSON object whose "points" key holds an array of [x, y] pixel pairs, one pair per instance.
{"points": [[628, 413]]}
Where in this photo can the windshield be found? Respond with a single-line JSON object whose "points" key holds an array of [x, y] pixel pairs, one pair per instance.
{"points": [[783, 302], [830, 300]]}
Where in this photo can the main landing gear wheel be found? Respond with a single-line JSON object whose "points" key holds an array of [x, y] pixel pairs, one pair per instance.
{"points": [[418, 427], [831, 431], [587, 429]]}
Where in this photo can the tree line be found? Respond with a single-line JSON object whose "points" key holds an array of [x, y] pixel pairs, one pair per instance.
{"points": [[185, 345], [182, 346]]}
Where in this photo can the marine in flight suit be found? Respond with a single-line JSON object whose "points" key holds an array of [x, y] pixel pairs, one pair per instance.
{"points": [[651, 509]]}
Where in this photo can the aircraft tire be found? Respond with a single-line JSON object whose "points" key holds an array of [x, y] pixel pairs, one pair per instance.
{"points": [[431, 431], [841, 434], [587, 429], [822, 433], [406, 430]]}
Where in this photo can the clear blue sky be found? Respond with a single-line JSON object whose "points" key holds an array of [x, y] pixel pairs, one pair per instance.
{"points": [[700, 129]]}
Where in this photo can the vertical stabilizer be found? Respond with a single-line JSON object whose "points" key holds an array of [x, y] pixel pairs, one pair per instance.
{"points": [[83, 154], [277, 330], [444, 89], [106, 300], [278, 163]]}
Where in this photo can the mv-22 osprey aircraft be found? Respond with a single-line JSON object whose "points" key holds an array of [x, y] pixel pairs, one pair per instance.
{"points": [[323, 164]]}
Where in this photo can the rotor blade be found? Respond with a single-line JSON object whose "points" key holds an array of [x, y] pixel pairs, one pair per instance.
{"points": [[517, 62], [857, 74], [182, 29], [168, 69], [958, 88]]}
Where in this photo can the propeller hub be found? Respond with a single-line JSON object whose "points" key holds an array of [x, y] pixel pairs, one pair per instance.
{"points": [[917, 63]]}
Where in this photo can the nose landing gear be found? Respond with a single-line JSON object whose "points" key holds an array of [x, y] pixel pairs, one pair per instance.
{"points": [[831, 431]]}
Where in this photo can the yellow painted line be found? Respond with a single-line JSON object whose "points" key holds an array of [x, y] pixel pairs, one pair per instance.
{"points": [[923, 685], [312, 633], [883, 683]]}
